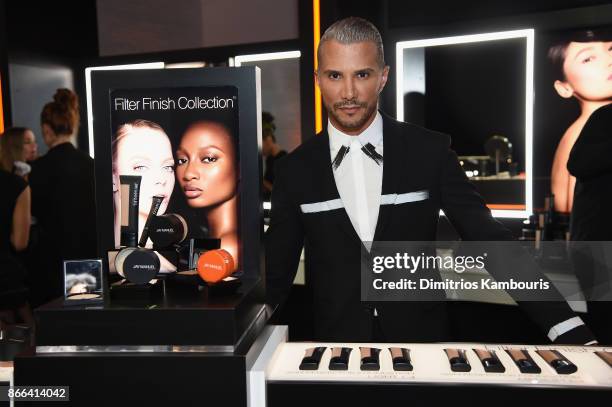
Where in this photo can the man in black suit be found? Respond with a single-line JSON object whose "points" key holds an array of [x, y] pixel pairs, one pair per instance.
{"points": [[371, 178]]}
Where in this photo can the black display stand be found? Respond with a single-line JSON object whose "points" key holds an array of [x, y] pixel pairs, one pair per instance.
{"points": [[189, 348], [184, 316]]}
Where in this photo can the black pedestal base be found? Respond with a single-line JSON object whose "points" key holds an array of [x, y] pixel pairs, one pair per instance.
{"points": [[138, 379]]}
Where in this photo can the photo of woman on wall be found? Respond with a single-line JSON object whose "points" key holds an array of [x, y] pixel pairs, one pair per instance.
{"points": [[184, 144], [583, 64]]}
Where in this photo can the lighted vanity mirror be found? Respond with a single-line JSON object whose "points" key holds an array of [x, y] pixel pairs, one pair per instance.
{"points": [[478, 89]]}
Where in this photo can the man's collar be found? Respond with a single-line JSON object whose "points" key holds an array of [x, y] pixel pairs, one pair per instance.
{"points": [[372, 134]]}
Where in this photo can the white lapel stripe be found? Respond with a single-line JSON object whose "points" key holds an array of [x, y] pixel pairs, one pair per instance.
{"points": [[322, 206], [398, 199], [563, 327]]}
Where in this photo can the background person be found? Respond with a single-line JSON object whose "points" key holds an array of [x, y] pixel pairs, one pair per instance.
{"points": [[271, 152], [14, 228], [30, 145], [63, 198]]}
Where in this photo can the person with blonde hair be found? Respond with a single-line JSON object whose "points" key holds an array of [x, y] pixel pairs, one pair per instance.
{"points": [[13, 154], [142, 148], [14, 223]]}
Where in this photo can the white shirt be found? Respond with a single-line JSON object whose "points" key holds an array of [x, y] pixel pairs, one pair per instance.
{"points": [[358, 177]]}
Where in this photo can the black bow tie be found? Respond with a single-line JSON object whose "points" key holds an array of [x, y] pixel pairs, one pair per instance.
{"points": [[368, 149]]}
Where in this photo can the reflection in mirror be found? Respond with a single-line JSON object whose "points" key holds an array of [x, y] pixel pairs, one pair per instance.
{"points": [[280, 104], [280, 92], [478, 89]]}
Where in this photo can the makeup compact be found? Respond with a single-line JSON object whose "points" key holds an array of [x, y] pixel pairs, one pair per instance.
{"points": [[490, 361], [83, 281], [557, 361], [137, 265], [401, 359], [524, 362], [215, 265], [312, 358], [168, 229], [369, 358], [458, 361], [339, 358]]}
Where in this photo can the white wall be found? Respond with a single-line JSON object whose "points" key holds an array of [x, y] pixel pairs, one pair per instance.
{"points": [[31, 88]]}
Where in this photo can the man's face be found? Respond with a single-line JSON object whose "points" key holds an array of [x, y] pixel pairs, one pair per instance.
{"points": [[350, 80]]}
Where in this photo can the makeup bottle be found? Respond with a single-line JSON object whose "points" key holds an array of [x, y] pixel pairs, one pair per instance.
{"points": [[130, 196]]}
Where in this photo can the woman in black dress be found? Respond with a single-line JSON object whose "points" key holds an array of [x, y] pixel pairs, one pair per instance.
{"points": [[14, 226], [590, 161]]}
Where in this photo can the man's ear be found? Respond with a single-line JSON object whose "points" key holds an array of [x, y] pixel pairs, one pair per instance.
{"points": [[564, 89], [384, 77], [316, 77]]}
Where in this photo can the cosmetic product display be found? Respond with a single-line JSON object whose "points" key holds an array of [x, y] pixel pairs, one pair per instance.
{"points": [[490, 361], [524, 361], [571, 366], [339, 358], [493, 379], [130, 198], [458, 361], [168, 229], [605, 356], [137, 265], [401, 359], [215, 265], [312, 358], [369, 358], [557, 361], [156, 202]]}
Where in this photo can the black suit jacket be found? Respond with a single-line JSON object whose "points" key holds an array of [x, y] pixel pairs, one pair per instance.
{"points": [[590, 162], [415, 159], [63, 202]]}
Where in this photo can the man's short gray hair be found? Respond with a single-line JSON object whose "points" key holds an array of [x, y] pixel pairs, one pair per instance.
{"points": [[351, 30]]}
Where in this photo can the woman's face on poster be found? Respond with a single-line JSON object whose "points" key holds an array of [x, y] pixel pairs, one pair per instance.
{"points": [[588, 70], [147, 152], [206, 165]]}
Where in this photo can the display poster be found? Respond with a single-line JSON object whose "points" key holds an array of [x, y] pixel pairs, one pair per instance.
{"points": [[183, 143]]}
